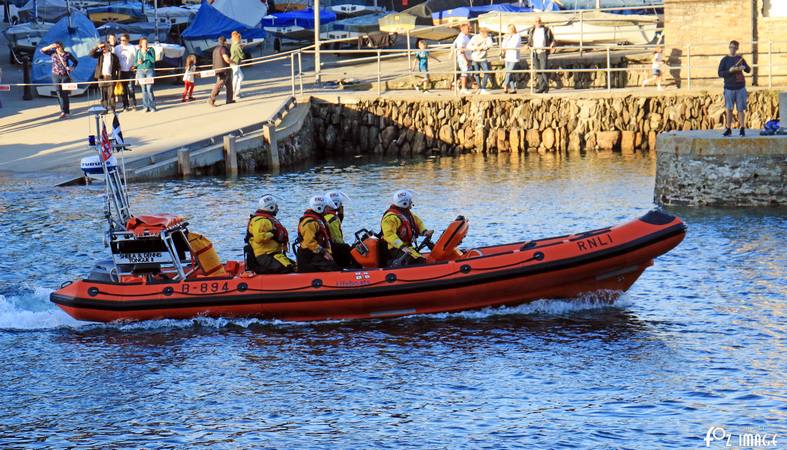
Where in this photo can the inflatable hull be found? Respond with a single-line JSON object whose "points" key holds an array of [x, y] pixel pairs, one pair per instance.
{"points": [[608, 260]]}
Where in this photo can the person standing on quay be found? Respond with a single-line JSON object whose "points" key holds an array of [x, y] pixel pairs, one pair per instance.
{"points": [[236, 57], [146, 61], [188, 78], [479, 47], [655, 66], [542, 41], [107, 71], [463, 55], [61, 73], [126, 52], [510, 46], [221, 64], [731, 68], [422, 61]]}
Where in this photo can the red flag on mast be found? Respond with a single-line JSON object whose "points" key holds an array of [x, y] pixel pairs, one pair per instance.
{"points": [[106, 147]]}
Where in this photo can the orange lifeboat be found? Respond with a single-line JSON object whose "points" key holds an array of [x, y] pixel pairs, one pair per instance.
{"points": [[609, 259]]}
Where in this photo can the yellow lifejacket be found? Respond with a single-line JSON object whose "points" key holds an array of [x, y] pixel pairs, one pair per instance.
{"points": [[206, 256]]}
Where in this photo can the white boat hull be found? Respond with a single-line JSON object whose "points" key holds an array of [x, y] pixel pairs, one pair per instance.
{"points": [[593, 28], [352, 10]]}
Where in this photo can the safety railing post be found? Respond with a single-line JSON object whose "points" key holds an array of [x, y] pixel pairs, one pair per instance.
{"points": [[409, 60], [500, 27], [454, 76], [292, 73], [688, 60], [300, 70], [609, 71], [770, 66], [581, 32], [532, 70], [379, 75]]}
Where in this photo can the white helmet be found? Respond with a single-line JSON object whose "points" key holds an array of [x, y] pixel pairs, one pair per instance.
{"points": [[403, 198], [335, 199], [317, 204], [268, 203]]}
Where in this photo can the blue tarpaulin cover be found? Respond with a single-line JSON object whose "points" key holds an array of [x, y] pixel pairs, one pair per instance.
{"points": [[471, 12], [544, 5], [78, 40], [303, 18], [209, 23]]}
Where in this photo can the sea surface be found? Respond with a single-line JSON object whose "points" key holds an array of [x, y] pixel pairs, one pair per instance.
{"points": [[697, 342]]}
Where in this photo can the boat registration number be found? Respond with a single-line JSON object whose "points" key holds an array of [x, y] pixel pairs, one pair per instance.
{"points": [[207, 73], [5, 87], [69, 86], [145, 81], [142, 258], [205, 288]]}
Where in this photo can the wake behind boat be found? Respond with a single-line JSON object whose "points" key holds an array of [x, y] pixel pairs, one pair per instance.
{"points": [[161, 269]]}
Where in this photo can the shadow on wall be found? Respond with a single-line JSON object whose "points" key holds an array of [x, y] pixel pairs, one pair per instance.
{"points": [[675, 62]]}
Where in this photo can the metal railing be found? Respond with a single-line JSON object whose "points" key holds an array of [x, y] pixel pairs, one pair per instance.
{"points": [[687, 70], [685, 63]]}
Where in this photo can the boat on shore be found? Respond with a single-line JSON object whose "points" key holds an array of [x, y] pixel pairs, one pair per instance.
{"points": [[79, 37], [296, 25], [354, 8], [589, 27], [201, 36], [353, 27], [162, 270], [23, 38]]}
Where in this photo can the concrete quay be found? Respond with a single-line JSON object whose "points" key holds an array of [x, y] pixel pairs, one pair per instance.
{"points": [[703, 168]]}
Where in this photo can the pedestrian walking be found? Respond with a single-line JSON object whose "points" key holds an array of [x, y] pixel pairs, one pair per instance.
{"points": [[188, 78], [236, 58], [463, 55], [127, 53], [422, 61], [479, 47], [145, 67], [731, 68], [542, 41], [221, 64], [656, 64], [63, 63], [107, 72], [510, 47]]}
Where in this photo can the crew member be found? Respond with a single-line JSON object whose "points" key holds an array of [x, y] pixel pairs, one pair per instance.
{"points": [[334, 216], [314, 254], [400, 228], [266, 240]]}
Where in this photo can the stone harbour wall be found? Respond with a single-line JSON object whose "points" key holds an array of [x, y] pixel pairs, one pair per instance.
{"points": [[699, 168], [404, 127]]}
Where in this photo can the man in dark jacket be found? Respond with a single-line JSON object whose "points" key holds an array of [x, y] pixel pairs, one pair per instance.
{"points": [[542, 41], [221, 64], [107, 73], [731, 68]]}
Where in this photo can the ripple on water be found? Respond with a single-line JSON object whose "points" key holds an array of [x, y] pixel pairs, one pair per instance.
{"points": [[697, 341]]}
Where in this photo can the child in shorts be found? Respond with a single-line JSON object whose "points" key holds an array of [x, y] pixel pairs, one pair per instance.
{"points": [[422, 60]]}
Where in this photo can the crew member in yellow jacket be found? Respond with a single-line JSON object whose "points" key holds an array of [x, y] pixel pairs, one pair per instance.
{"points": [[400, 229], [267, 240], [334, 217], [315, 254]]}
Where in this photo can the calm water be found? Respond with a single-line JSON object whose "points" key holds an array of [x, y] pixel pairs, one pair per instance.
{"points": [[698, 341]]}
